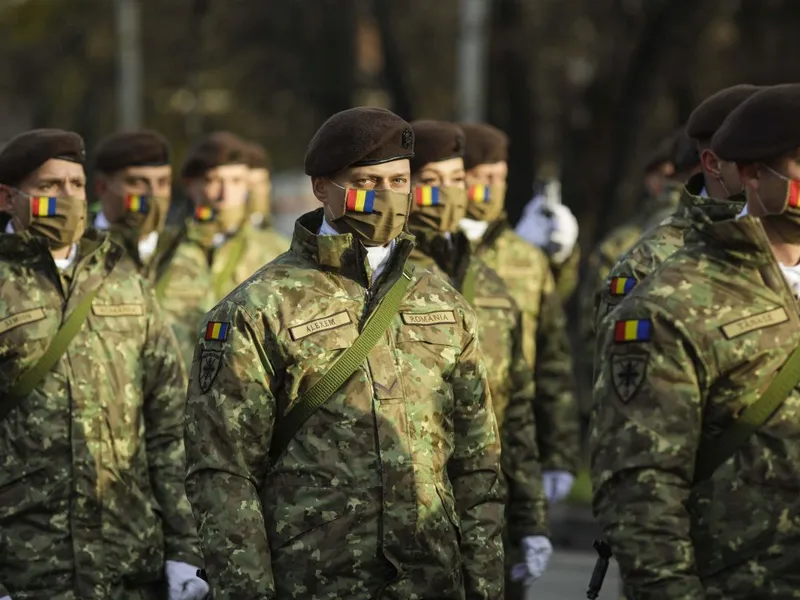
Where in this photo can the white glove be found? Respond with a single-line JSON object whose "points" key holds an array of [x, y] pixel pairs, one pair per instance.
{"points": [[537, 550], [6, 598], [184, 584], [557, 485], [551, 227]]}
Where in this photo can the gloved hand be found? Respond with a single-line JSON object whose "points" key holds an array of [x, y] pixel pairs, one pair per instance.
{"points": [[6, 598], [550, 226], [184, 584], [537, 550], [557, 485]]}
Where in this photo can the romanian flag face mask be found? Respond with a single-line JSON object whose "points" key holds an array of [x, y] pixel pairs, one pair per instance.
{"points": [[60, 220], [486, 202], [375, 217]]}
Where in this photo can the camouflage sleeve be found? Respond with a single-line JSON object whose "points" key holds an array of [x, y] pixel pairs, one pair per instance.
{"points": [[644, 438], [526, 512], [230, 414], [566, 274], [164, 387], [557, 424], [474, 471]]}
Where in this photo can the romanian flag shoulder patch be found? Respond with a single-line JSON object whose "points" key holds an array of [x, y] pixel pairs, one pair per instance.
{"points": [[426, 195], [637, 330], [216, 331], [362, 201], [478, 193], [43, 206], [621, 286]]}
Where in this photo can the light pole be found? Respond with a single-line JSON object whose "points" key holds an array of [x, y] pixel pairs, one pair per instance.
{"points": [[473, 34], [129, 64]]}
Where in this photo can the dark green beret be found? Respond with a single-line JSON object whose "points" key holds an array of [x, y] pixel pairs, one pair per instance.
{"points": [[664, 152], [28, 151], [356, 137], [712, 112], [131, 149], [435, 141], [685, 156], [763, 127], [485, 144], [214, 150], [257, 156]]}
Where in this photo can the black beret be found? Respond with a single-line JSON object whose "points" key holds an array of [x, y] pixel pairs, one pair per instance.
{"points": [[257, 156], [131, 149], [712, 112], [214, 150], [358, 136], [28, 151], [685, 155], [763, 127], [485, 144], [435, 141], [664, 152]]}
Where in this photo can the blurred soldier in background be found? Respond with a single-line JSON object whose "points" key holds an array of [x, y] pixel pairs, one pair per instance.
{"points": [[91, 404], [259, 201]]}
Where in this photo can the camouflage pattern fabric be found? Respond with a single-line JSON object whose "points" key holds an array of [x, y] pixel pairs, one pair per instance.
{"points": [[708, 331], [91, 462], [525, 271], [392, 488], [510, 377], [566, 274], [178, 263], [661, 242]]}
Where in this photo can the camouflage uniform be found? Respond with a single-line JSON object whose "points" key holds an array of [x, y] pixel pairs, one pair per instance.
{"points": [[509, 375], [599, 265], [182, 285], [525, 271], [566, 274], [392, 489], [661, 242], [92, 498], [722, 321]]}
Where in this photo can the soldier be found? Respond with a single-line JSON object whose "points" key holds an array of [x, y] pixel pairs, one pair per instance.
{"points": [[133, 178], [259, 201], [217, 179], [439, 203], [714, 195], [695, 446], [526, 273], [92, 500], [376, 475]]}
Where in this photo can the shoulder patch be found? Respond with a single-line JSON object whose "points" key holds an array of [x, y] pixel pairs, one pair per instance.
{"points": [[621, 286], [118, 310], [210, 361], [628, 372], [637, 330], [324, 324], [216, 331], [21, 318], [432, 318], [492, 302], [754, 322]]}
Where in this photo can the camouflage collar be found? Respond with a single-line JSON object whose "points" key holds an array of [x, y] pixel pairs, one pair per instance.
{"points": [[705, 208], [343, 253], [742, 239], [494, 231], [451, 255]]}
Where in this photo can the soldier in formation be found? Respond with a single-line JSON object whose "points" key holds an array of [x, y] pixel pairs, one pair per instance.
{"points": [[694, 441], [92, 500]]}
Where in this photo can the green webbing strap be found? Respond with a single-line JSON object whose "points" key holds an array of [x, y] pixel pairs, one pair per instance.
{"points": [[468, 285], [33, 376], [162, 283], [222, 282], [341, 369], [714, 452]]}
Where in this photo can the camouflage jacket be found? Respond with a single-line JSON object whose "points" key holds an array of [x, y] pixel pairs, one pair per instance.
{"points": [[699, 340], [91, 462], [598, 266], [510, 377], [660, 242], [392, 488], [526, 273], [180, 280], [566, 274]]}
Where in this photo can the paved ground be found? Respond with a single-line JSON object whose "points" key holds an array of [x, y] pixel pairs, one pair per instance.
{"points": [[567, 578]]}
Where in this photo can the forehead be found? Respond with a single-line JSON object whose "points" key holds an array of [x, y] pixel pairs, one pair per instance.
{"points": [[450, 165], [387, 169], [489, 167], [147, 172], [225, 171], [56, 168]]}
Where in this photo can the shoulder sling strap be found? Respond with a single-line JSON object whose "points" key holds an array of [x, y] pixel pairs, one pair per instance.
{"points": [[28, 381], [341, 369], [468, 285], [715, 451], [222, 282]]}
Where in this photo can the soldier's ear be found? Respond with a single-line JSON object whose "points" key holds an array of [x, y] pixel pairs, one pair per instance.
{"points": [[710, 163], [321, 188], [6, 196]]}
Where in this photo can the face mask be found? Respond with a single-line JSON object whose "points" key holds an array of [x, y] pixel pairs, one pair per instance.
{"points": [[230, 218], [258, 200], [791, 202], [61, 221], [438, 208], [375, 217], [144, 214], [486, 202]]}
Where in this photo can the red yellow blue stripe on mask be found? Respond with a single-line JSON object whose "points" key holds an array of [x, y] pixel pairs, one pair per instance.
{"points": [[479, 193], [137, 203], [362, 201], [43, 206], [426, 195]]}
